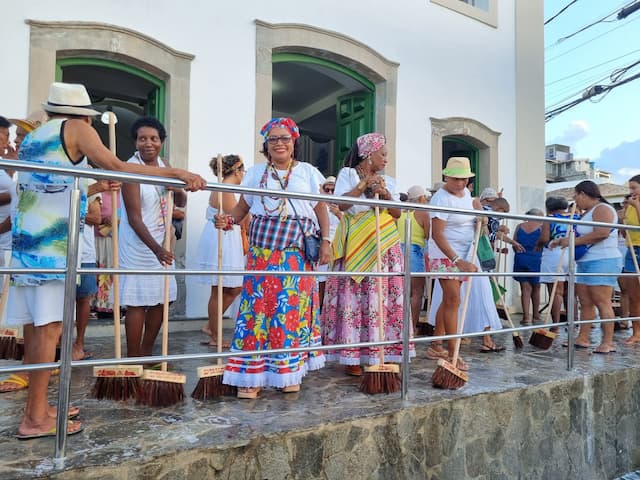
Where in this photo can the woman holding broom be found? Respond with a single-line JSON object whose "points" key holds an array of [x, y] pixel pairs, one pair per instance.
{"points": [[141, 235], [602, 256], [278, 311], [451, 240], [233, 255], [350, 308]]}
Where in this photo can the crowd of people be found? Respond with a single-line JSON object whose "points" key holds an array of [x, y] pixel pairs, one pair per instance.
{"points": [[286, 235]]}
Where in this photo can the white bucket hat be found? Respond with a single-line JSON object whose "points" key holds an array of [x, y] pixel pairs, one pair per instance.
{"points": [[70, 99]]}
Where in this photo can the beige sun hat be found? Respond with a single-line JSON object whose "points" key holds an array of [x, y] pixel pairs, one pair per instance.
{"points": [[33, 120], [70, 99], [458, 167], [330, 180]]}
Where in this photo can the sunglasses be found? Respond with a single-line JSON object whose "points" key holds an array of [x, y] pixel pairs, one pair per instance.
{"points": [[328, 190]]}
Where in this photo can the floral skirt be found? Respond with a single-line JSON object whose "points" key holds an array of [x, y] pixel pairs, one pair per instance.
{"points": [[275, 312], [350, 313]]}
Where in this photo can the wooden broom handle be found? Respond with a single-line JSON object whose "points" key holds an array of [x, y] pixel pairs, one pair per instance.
{"points": [[379, 269], [467, 293], [115, 279], [220, 279], [552, 295], [165, 305], [5, 295]]}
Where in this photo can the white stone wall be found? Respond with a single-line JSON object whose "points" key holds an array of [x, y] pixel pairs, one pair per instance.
{"points": [[450, 66]]}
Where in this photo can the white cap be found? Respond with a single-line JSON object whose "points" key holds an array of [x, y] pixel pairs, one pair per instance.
{"points": [[488, 193], [416, 192]]}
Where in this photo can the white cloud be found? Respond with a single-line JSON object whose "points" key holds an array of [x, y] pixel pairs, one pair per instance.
{"points": [[575, 131], [628, 172]]}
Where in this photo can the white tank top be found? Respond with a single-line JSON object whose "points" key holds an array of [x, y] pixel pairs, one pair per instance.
{"points": [[607, 248]]}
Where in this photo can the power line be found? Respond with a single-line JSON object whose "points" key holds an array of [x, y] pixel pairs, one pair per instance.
{"points": [[593, 91], [557, 14], [590, 68], [596, 22], [591, 40]]}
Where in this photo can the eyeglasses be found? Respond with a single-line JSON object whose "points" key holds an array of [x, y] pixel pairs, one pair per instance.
{"points": [[274, 140], [328, 190]]}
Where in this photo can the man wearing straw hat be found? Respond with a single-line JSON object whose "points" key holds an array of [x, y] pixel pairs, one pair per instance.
{"points": [[40, 231]]}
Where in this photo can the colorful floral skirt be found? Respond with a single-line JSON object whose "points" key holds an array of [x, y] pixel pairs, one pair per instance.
{"points": [[275, 312], [350, 313]]}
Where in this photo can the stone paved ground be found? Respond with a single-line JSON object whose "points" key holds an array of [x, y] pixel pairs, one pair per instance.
{"points": [[119, 432]]}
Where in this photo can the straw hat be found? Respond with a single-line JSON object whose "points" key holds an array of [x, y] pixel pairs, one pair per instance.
{"points": [[33, 121], [70, 99], [458, 167]]}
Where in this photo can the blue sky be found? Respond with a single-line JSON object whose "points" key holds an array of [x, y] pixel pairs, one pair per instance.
{"points": [[606, 130]]}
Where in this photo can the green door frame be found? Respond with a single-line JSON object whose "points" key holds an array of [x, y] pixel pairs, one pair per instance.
{"points": [[365, 82], [474, 159], [160, 92]]}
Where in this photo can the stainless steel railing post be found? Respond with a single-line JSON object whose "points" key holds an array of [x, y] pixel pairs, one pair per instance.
{"points": [[571, 298], [406, 322], [68, 322]]}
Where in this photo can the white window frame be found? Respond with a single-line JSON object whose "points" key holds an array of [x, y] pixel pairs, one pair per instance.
{"points": [[490, 17]]}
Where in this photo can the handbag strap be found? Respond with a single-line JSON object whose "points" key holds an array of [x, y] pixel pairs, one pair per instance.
{"points": [[275, 172]]}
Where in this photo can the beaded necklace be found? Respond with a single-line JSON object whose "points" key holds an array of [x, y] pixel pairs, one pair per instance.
{"points": [[281, 207], [368, 192]]}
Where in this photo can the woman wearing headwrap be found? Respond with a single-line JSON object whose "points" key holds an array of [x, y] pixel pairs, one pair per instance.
{"points": [[278, 311], [350, 308]]}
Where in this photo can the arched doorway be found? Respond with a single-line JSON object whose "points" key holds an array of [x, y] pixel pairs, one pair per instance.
{"points": [[456, 146], [331, 104], [124, 89]]}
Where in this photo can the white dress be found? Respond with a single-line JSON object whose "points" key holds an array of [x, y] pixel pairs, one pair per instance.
{"points": [[144, 290], [207, 252], [481, 312]]}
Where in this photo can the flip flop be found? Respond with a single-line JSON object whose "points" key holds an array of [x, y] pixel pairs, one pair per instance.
{"points": [[576, 345], [72, 413], [17, 381], [214, 345], [433, 354], [71, 430]]}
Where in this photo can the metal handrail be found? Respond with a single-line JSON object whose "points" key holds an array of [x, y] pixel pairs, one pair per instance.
{"points": [[66, 364]]}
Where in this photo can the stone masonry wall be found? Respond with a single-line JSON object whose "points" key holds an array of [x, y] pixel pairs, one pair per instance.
{"points": [[587, 428]]}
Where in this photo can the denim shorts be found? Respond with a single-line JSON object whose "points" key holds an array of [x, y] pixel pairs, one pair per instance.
{"points": [[417, 258], [629, 266], [603, 265], [88, 282]]}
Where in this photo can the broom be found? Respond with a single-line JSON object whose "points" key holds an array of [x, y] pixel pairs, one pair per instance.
{"points": [[163, 388], [500, 251], [116, 382], [381, 378], [541, 337], [210, 384], [517, 341], [447, 374]]}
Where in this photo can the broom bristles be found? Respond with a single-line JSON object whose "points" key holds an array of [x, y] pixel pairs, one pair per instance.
{"points": [[9, 344], [162, 389], [446, 375], [517, 341], [210, 384], [117, 382], [542, 338], [384, 378]]}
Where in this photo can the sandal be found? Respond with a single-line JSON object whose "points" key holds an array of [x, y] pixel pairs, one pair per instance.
{"points": [[72, 429], [248, 392], [433, 354], [13, 383], [460, 365], [291, 389]]}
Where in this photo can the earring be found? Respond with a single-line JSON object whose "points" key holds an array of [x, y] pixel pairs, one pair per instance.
{"points": [[370, 161]]}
